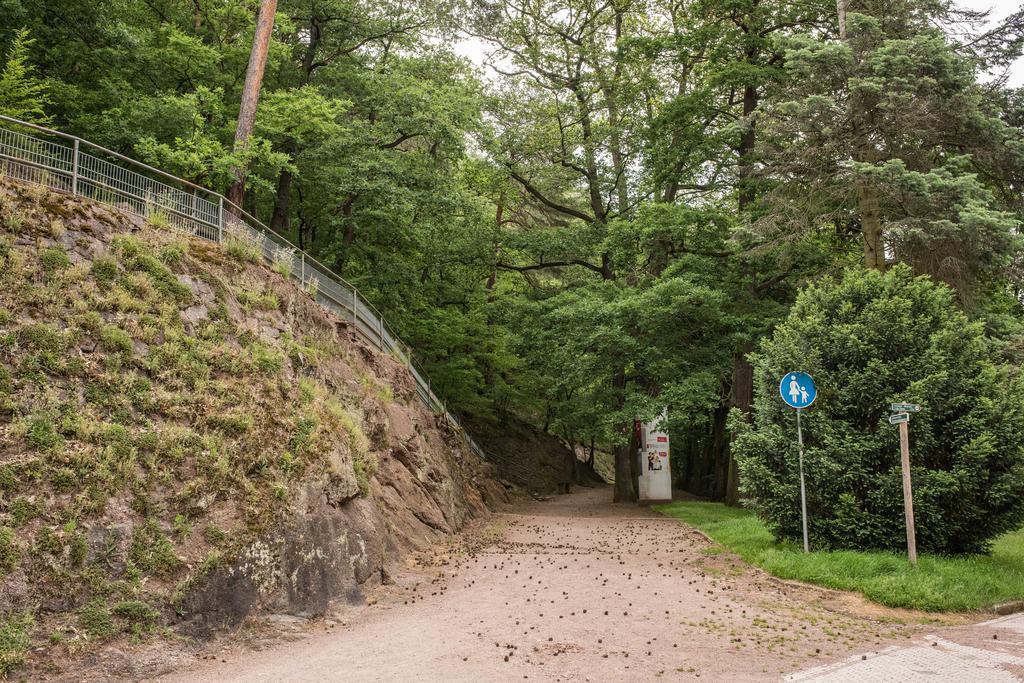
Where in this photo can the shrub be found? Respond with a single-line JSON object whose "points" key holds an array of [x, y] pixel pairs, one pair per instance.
{"points": [[54, 259], [241, 244], [266, 360], [95, 619], [151, 551], [41, 433], [126, 245], [104, 271], [116, 340], [284, 261], [869, 340], [265, 301], [8, 550], [42, 337], [6, 381], [163, 279], [136, 612], [172, 253], [312, 288], [22, 511], [15, 637]]}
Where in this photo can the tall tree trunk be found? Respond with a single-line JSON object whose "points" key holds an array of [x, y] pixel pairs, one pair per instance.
{"points": [[841, 7], [742, 397], [281, 220], [624, 489], [251, 91], [610, 91], [746, 193], [870, 225], [720, 450]]}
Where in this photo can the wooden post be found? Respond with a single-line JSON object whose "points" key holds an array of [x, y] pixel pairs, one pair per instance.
{"points": [[908, 498]]}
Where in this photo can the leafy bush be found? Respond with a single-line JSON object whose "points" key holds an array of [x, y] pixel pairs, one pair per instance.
{"points": [[172, 254], [869, 340]]}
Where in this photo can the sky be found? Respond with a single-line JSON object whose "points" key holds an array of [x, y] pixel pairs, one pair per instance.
{"points": [[1001, 9], [476, 50]]}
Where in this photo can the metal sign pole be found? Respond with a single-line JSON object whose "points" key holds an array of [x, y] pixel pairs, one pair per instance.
{"points": [[798, 391], [803, 488], [908, 498]]}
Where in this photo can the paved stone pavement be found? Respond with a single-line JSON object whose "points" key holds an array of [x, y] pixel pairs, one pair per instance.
{"points": [[992, 652]]}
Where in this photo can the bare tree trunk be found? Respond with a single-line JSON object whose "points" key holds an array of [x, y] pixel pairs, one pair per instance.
{"points": [[841, 7], [251, 91]]}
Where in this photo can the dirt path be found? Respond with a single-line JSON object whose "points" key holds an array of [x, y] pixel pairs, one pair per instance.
{"points": [[578, 589]]}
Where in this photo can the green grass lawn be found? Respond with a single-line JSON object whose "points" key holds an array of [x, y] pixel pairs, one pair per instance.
{"points": [[937, 584]]}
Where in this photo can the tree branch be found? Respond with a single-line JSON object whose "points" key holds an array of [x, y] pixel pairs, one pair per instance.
{"points": [[561, 208]]}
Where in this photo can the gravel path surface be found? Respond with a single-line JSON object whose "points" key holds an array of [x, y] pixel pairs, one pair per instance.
{"points": [[579, 589]]}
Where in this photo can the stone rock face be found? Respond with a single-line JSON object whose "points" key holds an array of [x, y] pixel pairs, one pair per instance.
{"points": [[325, 549], [534, 460], [340, 524]]}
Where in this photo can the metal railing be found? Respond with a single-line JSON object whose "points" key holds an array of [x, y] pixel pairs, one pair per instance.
{"points": [[62, 163]]}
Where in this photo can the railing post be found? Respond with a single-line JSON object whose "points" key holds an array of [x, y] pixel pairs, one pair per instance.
{"points": [[380, 332], [302, 275], [74, 170], [220, 219], [355, 306]]}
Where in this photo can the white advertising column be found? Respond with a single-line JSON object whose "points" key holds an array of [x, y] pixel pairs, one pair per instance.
{"points": [[655, 472]]}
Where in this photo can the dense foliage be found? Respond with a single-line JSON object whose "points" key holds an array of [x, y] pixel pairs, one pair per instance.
{"points": [[872, 339], [607, 208]]}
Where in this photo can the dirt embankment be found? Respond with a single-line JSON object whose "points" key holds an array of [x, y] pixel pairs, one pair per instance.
{"points": [[187, 438]]}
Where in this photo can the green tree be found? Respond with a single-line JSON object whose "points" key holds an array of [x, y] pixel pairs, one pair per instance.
{"points": [[883, 131], [22, 94], [868, 340]]}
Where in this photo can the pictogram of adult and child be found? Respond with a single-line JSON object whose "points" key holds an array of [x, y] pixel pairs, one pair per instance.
{"points": [[797, 389]]}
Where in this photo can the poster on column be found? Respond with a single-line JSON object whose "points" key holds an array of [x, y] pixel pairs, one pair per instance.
{"points": [[655, 472]]}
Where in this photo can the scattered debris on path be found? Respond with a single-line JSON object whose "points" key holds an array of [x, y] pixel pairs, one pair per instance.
{"points": [[579, 589]]}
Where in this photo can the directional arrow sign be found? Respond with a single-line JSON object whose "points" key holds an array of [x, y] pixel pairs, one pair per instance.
{"points": [[905, 408], [899, 417]]}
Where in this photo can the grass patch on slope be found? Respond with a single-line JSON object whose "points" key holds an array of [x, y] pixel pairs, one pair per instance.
{"points": [[938, 584]]}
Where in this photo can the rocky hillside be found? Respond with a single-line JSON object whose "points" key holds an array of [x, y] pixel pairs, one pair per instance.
{"points": [[531, 459], [187, 438]]}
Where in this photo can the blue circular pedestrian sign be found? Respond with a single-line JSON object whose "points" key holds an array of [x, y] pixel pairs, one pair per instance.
{"points": [[797, 389]]}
